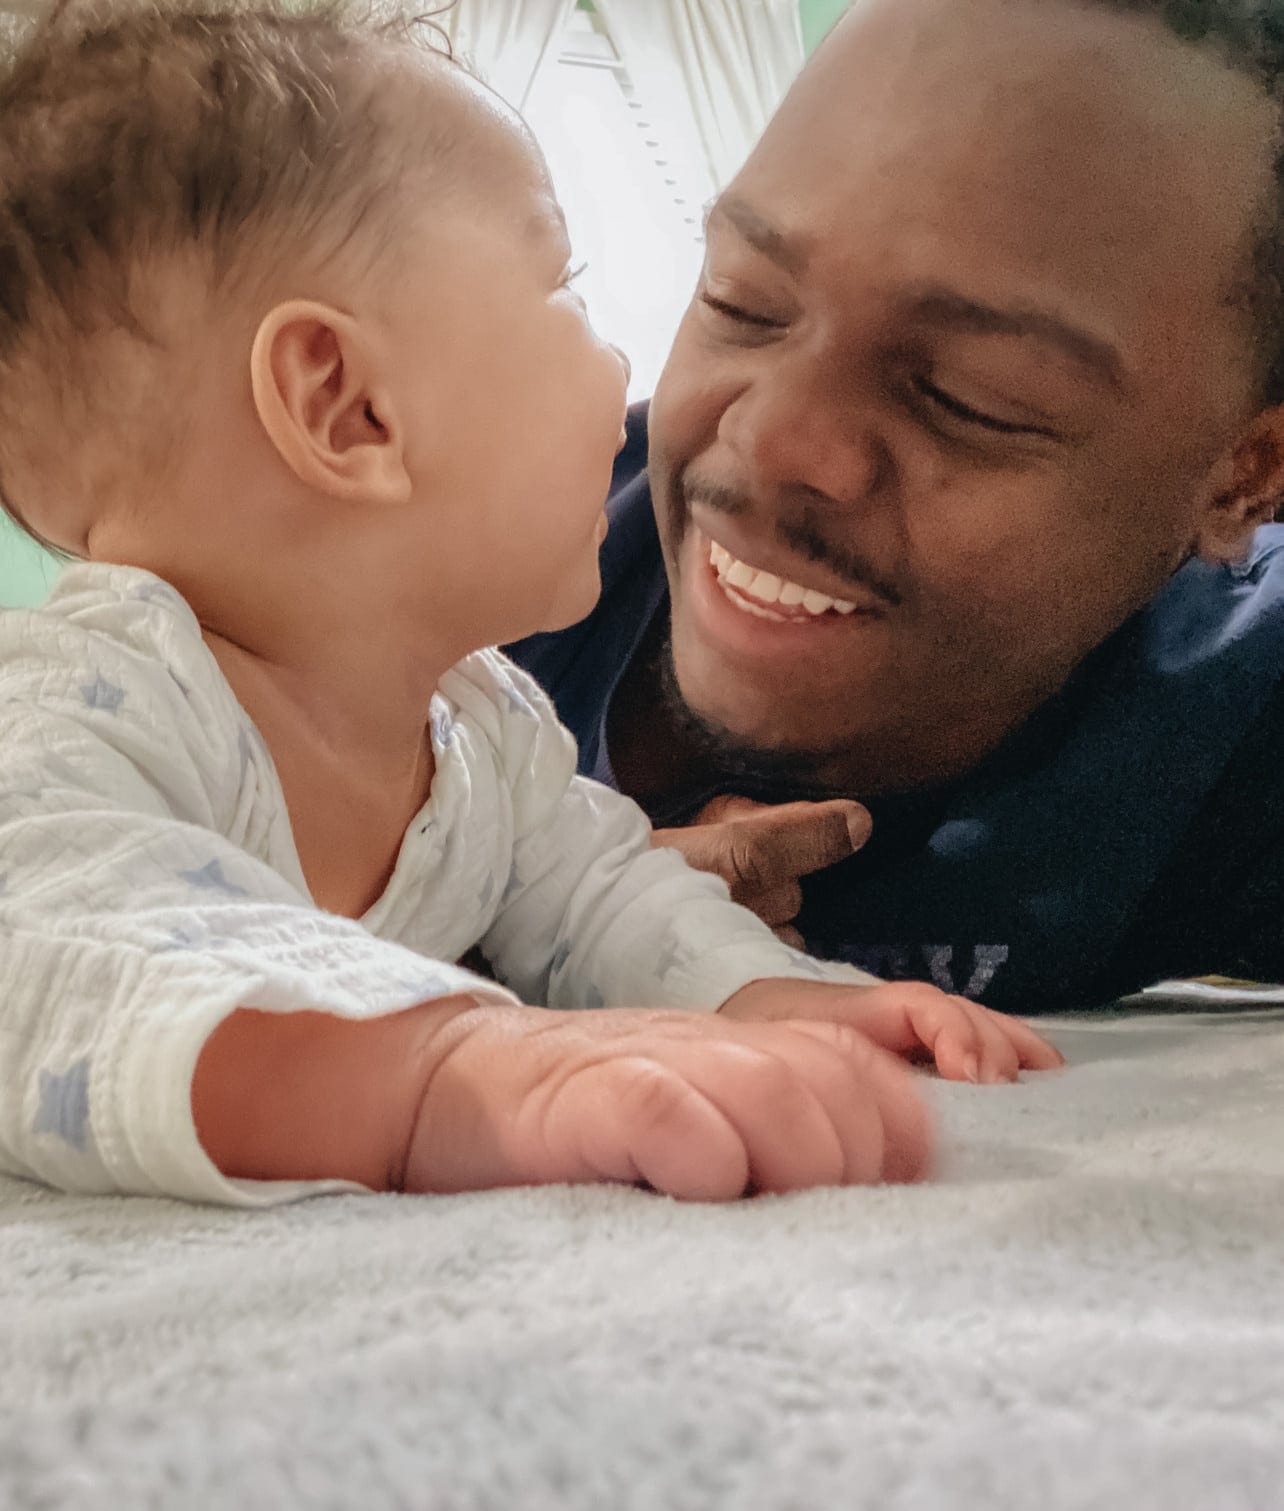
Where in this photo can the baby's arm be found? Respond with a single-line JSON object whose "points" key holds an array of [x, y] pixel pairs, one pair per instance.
{"points": [[127, 935], [594, 915], [177, 1019]]}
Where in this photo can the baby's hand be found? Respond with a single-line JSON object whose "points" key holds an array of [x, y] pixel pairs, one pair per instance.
{"points": [[966, 1041], [695, 1106]]}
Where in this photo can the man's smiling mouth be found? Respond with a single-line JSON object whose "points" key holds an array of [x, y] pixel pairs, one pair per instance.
{"points": [[762, 594], [830, 586], [770, 597]]}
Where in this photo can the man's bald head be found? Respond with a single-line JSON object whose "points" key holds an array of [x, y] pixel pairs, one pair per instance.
{"points": [[1178, 151], [1247, 36]]}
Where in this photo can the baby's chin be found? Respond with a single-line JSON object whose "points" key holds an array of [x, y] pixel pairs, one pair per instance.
{"points": [[570, 605]]}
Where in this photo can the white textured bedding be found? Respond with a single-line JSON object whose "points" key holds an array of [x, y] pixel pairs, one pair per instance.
{"points": [[1086, 1311]]}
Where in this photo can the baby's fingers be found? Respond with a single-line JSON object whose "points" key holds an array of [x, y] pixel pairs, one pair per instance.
{"points": [[954, 1042], [914, 1015], [711, 1120], [775, 1094], [635, 1119], [1033, 1052], [998, 1057], [809, 1113], [779, 1107], [888, 1087], [975, 1044]]}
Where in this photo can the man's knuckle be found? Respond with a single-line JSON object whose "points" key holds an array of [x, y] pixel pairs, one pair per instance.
{"points": [[779, 904], [745, 864], [693, 846]]}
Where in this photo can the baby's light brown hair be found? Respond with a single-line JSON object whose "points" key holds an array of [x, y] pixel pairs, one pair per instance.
{"points": [[135, 134]]}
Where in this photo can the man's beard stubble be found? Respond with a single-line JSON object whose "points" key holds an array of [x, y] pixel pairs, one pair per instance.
{"points": [[750, 770], [758, 771]]}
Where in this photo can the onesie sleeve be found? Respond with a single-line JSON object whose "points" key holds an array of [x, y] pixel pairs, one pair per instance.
{"points": [[130, 927], [592, 915]]}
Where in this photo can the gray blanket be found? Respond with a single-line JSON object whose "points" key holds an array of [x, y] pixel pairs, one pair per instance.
{"points": [[1086, 1311]]}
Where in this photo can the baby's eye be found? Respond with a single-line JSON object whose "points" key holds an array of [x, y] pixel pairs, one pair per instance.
{"points": [[573, 274]]}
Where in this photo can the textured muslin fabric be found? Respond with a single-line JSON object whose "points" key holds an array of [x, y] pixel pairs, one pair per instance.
{"points": [[1082, 1314], [150, 885]]}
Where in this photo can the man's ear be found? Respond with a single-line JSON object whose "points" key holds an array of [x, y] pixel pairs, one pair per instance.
{"points": [[1247, 490], [319, 398]]}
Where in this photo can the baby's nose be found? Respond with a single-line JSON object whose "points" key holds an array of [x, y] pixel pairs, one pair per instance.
{"points": [[624, 361]]}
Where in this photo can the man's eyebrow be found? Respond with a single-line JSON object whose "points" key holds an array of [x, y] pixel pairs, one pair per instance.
{"points": [[944, 307], [785, 251], [937, 306]]}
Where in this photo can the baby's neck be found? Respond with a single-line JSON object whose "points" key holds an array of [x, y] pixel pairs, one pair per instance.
{"points": [[326, 643], [368, 710], [350, 742]]}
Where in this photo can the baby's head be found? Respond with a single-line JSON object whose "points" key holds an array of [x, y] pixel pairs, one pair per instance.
{"points": [[285, 306]]}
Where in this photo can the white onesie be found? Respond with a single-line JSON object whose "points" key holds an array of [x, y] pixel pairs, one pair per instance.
{"points": [[150, 885]]}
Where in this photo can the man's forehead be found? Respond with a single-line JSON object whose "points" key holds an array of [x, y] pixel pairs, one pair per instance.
{"points": [[1001, 84], [1034, 148]]}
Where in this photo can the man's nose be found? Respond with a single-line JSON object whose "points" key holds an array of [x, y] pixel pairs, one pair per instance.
{"points": [[791, 434]]}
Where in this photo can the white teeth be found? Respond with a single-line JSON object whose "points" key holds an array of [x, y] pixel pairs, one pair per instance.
{"points": [[766, 588], [746, 607]]}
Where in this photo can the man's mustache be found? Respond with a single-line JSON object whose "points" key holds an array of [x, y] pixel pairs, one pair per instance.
{"points": [[800, 534]]}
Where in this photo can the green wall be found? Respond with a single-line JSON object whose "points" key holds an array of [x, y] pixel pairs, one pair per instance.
{"points": [[25, 570], [817, 17]]}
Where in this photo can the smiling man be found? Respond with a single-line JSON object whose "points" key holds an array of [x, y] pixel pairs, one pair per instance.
{"points": [[956, 503]]}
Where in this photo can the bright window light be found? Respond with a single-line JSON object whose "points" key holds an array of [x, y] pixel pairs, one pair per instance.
{"points": [[632, 191]]}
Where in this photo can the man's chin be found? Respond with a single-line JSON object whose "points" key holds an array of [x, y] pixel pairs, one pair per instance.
{"points": [[738, 729], [751, 720]]}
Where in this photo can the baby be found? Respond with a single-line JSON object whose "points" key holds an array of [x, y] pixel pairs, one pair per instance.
{"points": [[293, 366]]}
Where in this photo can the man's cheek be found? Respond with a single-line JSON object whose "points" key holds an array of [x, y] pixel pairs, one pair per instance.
{"points": [[690, 397]]}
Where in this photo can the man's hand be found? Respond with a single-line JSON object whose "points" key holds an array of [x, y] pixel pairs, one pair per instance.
{"points": [[967, 1042], [760, 850]]}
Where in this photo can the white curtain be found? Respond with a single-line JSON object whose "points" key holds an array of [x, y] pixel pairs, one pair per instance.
{"points": [[714, 69], [505, 41]]}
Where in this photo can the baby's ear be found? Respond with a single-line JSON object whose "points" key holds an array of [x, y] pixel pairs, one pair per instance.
{"points": [[318, 397], [1247, 489]]}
